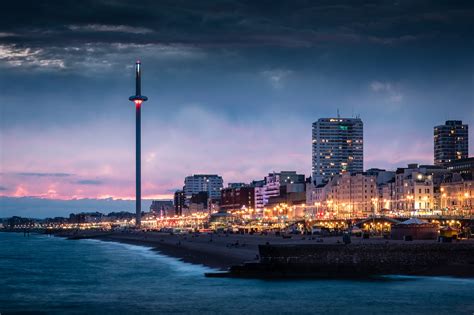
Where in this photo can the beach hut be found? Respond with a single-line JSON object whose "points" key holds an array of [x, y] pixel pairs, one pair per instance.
{"points": [[448, 233], [414, 229]]}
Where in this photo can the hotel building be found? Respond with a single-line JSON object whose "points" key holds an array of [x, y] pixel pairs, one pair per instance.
{"points": [[457, 196], [450, 142], [237, 198], [414, 189], [337, 147], [346, 196], [212, 184]]}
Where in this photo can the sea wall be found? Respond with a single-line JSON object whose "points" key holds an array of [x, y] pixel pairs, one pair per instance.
{"points": [[363, 259]]}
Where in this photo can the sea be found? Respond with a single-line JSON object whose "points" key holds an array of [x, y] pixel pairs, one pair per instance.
{"points": [[41, 274]]}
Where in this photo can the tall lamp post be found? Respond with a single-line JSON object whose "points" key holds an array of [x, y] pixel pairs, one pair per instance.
{"points": [[138, 99]]}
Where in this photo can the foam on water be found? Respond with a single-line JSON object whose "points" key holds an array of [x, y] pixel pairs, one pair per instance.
{"points": [[148, 253]]}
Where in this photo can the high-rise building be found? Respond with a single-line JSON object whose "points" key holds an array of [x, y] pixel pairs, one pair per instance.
{"points": [[212, 184], [450, 142], [179, 202], [338, 147]]}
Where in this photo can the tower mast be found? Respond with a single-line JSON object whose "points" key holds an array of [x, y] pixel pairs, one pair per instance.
{"points": [[138, 99]]}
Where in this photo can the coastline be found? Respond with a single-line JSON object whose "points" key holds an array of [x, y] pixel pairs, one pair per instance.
{"points": [[214, 251], [190, 253], [227, 252]]}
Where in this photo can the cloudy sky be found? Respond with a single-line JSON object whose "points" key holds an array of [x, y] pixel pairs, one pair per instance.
{"points": [[233, 88]]}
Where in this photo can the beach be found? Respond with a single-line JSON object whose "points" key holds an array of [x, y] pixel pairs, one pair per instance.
{"points": [[219, 251], [222, 251]]}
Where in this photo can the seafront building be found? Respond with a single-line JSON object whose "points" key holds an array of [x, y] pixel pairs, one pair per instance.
{"points": [[345, 196], [198, 203], [410, 191], [237, 198], [451, 142], [179, 202], [465, 167], [457, 195], [212, 184], [162, 207], [414, 190], [337, 147], [277, 184]]}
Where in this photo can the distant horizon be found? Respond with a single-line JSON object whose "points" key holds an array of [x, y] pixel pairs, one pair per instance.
{"points": [[40, 208]]}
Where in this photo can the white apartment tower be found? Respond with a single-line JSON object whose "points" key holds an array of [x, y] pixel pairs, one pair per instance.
{"points": [[338, 147], [212, 184]]}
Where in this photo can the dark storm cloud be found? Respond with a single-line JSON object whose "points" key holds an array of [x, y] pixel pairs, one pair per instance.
{"points": [[205, 23], [67, 35]]}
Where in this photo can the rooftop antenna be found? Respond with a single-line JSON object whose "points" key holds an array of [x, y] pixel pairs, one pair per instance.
{"points": [[338, 116]]}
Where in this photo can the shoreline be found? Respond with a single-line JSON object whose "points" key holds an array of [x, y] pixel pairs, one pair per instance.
{"points": [[209, 250], [239, 255], [184, 254], [223, 251]]}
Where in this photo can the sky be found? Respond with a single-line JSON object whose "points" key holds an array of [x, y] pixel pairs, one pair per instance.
{"points": [[233, 89]]}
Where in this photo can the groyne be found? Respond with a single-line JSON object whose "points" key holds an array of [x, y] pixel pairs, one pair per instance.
{"points": [[358, 260]]}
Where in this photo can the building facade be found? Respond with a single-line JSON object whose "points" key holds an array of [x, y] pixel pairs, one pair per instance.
{"points": [[274, 182], [198, 204], [237, 198], [212, 184], [414, 190], [337, 147], [162, 208], [450, 142], [464, 167], [457, 196], [352, 195], [179, 202]]}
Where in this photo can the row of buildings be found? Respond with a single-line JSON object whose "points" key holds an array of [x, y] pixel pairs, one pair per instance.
{"points": [[339, 186], [412, 190]]}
